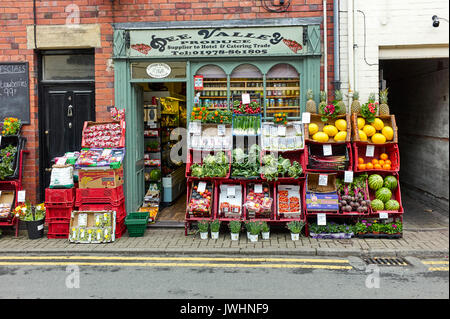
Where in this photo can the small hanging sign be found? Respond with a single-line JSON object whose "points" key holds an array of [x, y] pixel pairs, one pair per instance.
{"points": [[370, 150], [198, 82]]}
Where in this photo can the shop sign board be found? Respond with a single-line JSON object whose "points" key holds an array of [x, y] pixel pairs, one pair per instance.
{"points": [[234, 42], [158, 70]]}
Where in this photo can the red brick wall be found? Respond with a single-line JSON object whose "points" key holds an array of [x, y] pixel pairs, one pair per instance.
{"points": [[15, 16]]}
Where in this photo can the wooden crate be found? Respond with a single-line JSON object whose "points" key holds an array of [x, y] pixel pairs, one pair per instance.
{"points": [[317, 119], [388, 120]]}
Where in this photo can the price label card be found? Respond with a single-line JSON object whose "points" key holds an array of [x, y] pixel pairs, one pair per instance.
{"points": [[201, 187], [281, 130], [321, 219], [231, 191], [348, 177], [323, 180], [258, 188], [21, 196], [106, 152], [327, 151], [370, 150], [245, 98], [383, 215], [221, 130], [82, 219], [154, 125], [306, 117]]}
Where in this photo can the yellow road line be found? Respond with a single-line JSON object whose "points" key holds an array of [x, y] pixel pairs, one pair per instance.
{"points": [[310, 260], [434, 262], [438, 269], [163, 264]]}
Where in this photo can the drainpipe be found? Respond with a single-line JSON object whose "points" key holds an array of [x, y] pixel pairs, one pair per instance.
{"points": [[325, 46], [337, 81], [350, 53]]}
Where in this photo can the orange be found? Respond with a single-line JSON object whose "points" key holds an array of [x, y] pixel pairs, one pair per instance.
{"points": [[387, 167], [387, 162], [362, 167], [360, 160], [381, 162], [374, 161], [384, 156], [377, 166], [369, 165]]}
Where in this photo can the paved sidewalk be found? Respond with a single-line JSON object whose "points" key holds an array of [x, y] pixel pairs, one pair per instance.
{"points": [[425, 234]]}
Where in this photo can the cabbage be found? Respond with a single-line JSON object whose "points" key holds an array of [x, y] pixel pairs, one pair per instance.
{"points": [[283, 165], [196, 170], [268, 160]]}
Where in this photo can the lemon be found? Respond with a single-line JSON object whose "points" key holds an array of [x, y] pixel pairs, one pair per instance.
{"points": [[369, 130], [388, 132], [313, 128], [341, 136], [341, 125], [378, 138], [320, 137], [378, 124], [330, 130], [362, 136], [361, 122]]}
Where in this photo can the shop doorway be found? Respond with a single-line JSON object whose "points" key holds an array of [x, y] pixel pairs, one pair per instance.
{"points": [[164, 119]]}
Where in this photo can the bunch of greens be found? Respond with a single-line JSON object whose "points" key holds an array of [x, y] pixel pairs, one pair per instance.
{"points": [[280, 167], [246, 165], [295, 226], [213, 166]]}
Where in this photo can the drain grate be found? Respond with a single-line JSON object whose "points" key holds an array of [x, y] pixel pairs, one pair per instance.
{"points": [[386, 261]]}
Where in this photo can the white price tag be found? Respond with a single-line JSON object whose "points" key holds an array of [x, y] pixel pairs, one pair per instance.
{"points": [[201, 187], [323, 180], [221, 130], [281, 130], [40, 227], [231, 191], [21, 196], [384, 215], [306, 117], [348, 177], [106, 152], [82, 220], [327, 151], [321, 219], [153, 124], [370, 150], [245, 98], [258, 188]]}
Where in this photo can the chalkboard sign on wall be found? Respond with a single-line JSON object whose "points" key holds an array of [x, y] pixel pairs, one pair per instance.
{"points": [[14, 91]]}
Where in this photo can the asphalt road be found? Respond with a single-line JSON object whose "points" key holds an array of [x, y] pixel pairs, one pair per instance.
{"points": [[225, 277]]}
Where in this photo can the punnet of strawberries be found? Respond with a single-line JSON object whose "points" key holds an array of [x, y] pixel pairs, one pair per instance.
{"points": [[252, 108]]}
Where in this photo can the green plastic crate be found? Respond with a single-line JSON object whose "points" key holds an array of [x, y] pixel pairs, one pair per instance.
{"points": [[136, 223]]}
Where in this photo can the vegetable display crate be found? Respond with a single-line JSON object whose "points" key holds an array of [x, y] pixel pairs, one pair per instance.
{"points": [[98, 139], [317, 119], [57, 213], [287, 206], [136, 223], [114, 196], [341, 158], [396, 195], [197, 206], [346, 193], [119, 209], [391, 150], [192, 217], [59, 197], [321, 198], [388, 120], [58, 226], [243, 168], [268, 190], [197, 157], [292, 156], [229, 204]]}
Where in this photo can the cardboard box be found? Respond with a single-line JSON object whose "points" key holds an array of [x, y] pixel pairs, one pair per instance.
{"points": [[98, 177], [6, 203], [322, 202], [85, 225]]}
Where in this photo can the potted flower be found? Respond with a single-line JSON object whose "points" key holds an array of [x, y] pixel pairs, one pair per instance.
{"points": [[265, 231], [369, 110], [7, 157], [393, 228], [214, 226], [375, 227], [235, 229], [11, 126], [361, 227], [295, 227], [203, 226], [254, 229], [34, 217]]}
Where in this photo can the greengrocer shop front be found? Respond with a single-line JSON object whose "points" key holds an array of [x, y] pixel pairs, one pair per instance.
{"points": [[163, 70]]}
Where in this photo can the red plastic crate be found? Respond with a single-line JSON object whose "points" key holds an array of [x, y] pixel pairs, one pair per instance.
{"points": [[193, 159], [59, 226], [391, 150], [122, 135], [349, 153], [272, 190], [119, 209], [297, 156], [57, 236], [280, 216], [396, 194], [217, 212], [114, 196], [63, 197], [121, 228], [52, 213]]}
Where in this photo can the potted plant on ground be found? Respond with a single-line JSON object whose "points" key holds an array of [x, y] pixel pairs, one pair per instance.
{"points": [[295, 227], [247, 227], [214, 226], [235, 229], [361, 228], [265, 231], [203, 226], [254, 228], [34, 217]]}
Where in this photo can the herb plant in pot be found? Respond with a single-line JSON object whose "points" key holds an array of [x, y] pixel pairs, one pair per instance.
{"points": [[235, 229], [265, 231], [34, 217], [203, 226], [254, 228], [214, 226], [295, 227]]}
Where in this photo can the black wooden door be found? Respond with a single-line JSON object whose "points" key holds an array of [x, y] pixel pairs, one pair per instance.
{"points": [[65, 109]]}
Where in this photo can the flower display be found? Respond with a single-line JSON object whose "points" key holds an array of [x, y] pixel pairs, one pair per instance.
{"points": [[331, 110], [11, 126]]}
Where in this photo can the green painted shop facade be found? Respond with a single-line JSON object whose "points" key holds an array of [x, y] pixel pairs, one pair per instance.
{"points": [[187, 47]]}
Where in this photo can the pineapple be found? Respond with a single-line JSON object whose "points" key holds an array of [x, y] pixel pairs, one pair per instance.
{"points": [[356, 106], [340, 103], [323, 101], [310, 103], [384, 107]]}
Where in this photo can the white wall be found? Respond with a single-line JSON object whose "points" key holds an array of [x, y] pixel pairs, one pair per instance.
{"points": [[403, 23]]}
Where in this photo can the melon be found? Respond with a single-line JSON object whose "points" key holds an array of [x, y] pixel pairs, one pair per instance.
{"points": [[377, 205], [384, 194], [320, 137], [341, 136], [375, 182], [330, 130], [390, 182], [392, 204]]}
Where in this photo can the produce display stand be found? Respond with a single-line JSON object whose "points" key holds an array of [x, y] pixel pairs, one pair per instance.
{"points": [[360, 151], [218, 212]]}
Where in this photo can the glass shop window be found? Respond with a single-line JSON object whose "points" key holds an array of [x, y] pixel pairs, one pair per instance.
{"points": [[214, 92]]}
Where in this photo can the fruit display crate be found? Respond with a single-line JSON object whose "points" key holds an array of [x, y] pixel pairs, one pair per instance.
{"points": [[221, 213], [292, 156], [57, 213], [59, 197], [391, 150], [290, 216], [114, 196], [316, 161], [88, 124], [388, 120], [197, 157], [197, 214], [267, 188], [317, 119], [396, 195]]}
